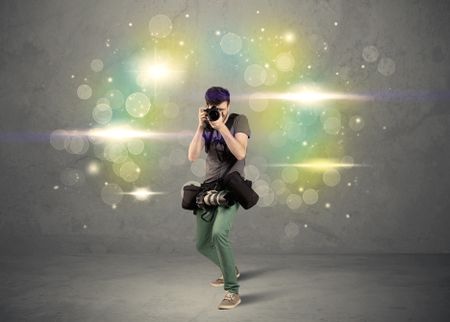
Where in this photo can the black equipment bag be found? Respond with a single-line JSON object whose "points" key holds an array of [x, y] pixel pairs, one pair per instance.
{"points": [[190, 192], [240, 189]]}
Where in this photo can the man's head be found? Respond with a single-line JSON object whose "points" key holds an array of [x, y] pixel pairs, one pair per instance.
{"points": [[220, 97]]}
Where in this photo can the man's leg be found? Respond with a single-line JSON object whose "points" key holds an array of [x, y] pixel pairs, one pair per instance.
{"points": [[223, 223], [204, 242]]}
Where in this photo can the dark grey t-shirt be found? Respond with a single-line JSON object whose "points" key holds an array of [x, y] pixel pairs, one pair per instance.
{"points": [[215, 168]]}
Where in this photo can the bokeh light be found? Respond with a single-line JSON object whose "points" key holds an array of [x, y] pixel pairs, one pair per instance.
{"points": [[356, 123], [129, 171], [386, 66], [72, 177], [137, 104], [294, 201], [291, 230], [160, 26], [231, 43], [310, 196], [111, 194], [331, 177], [102, 113], [370, 54], [255, 75], [285, 62], [298, 118], [84, 91], [97, 65]]}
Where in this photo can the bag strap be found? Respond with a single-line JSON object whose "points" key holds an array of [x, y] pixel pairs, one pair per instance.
{"points": [[208, 134]]}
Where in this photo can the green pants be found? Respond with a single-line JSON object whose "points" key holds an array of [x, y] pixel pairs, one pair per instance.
{"points": [[212, 241]]}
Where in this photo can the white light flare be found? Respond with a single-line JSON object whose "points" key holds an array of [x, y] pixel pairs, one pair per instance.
{"points": [[310, 96], [142, 194], [157, 71], [123, 134]]}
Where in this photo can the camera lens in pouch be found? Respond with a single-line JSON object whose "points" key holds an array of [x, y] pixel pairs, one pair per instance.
{"points": [[212, 198]]}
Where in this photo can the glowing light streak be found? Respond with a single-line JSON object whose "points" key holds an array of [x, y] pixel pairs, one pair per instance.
{"points": [[308, 96], [142, 193], [319, 165]]}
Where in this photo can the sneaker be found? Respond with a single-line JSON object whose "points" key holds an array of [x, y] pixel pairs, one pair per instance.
{"points": [[231, 300], [220, 282]]}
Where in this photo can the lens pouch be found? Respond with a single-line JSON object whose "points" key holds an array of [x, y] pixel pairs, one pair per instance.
{"points": [[190, 192], [240, 189]]}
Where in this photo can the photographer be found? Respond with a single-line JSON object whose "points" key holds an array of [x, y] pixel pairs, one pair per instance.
{"points": [[226, 148]]}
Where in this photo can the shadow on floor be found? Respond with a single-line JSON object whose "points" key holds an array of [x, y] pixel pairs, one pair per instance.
{"points": [[250, 274]]}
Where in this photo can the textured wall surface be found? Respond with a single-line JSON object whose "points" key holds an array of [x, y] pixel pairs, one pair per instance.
{"points": [[398, 204]]}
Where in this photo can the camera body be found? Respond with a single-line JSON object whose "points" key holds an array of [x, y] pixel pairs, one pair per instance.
{"points": [[213, 114]]}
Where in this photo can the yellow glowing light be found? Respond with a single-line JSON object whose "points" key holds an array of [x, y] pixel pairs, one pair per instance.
{"points": [[142, 193], [289, 37], [93, 168], [157, 71], [319, 165]]}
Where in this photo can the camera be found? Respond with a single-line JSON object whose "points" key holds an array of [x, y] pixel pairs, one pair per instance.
{"points": [[213, 114]]}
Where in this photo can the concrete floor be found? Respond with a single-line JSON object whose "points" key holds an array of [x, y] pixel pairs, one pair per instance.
{"points": [[273, 288]]}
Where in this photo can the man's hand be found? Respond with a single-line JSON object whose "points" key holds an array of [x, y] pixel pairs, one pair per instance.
{"points": [[201, 118]]}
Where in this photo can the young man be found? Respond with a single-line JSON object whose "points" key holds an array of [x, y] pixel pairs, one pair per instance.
{"points": [[226, 149]]}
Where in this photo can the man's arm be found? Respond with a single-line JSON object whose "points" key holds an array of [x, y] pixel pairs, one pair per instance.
{"points": [[197, 144], [237, 144]]}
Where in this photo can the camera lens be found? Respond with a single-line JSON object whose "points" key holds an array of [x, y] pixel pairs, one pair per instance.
{"points": [[213, 113]]}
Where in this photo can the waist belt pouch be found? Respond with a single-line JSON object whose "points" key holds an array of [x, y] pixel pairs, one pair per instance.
{"points": [[241, 189], [189, 194]]}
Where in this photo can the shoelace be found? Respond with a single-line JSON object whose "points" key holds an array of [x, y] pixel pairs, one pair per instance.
{"points": [[228, 296]]}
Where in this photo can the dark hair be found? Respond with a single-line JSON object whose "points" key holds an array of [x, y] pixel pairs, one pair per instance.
{"points": [[216, 95]]}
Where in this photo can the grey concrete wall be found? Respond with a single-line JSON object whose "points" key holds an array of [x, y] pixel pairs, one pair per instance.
{"points": [[399, 204]]}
